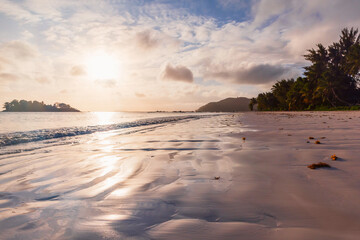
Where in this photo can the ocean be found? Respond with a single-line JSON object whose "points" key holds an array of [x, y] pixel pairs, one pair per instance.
{"points": [[30, 127]]}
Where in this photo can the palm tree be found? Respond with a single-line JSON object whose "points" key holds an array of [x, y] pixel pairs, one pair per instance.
{"points": [[7, 106], [280, 90], [252, 103], [332, 79]]}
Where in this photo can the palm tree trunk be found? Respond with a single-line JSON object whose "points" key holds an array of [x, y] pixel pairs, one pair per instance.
{"points": [[332, 104], [340, 100]]}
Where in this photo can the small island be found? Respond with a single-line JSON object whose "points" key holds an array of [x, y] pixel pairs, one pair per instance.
{"points": [[239, 104], [35, 106]]}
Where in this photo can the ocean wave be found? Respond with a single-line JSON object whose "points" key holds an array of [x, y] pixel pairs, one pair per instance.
{"points": [[14, 138]]}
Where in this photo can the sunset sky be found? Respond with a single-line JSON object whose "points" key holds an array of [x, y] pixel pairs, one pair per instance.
{"points": [[119, 55]]}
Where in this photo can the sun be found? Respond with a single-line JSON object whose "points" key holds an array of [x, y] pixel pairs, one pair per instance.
{"points": [[102, 66]]}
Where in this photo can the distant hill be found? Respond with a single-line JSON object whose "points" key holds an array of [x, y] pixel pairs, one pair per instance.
{"points": [[35, 106], [239, 104]]}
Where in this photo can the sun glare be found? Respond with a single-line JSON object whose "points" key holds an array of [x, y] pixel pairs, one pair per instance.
{"points": [[102, 66]]}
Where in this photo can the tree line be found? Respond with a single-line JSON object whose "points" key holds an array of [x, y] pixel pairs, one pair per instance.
{"points": [[330, 82], [35, 106]]}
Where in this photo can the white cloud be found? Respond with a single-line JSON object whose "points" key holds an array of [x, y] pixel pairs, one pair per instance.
{"points": [[77, 71], [22, 61], [17, 12], [20, 50]]}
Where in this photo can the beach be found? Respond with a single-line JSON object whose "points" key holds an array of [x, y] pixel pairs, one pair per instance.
{"points": [[228, 176]]}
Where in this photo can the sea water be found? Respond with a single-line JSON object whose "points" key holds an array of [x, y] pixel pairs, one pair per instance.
{"points": [[19, 127]]}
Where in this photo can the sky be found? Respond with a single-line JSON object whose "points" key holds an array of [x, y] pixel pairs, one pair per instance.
{"points": [[118, 55]]}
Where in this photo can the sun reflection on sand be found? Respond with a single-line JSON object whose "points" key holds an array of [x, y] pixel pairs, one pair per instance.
{"points": [[108, 163], [111, 176]]}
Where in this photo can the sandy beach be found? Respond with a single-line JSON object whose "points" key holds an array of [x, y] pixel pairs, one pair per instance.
{"points": [[234, 176]]}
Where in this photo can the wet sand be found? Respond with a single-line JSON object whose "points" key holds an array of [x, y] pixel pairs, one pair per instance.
{"points": [[193, 179]]}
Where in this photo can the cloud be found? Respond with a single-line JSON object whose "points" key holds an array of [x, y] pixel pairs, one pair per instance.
{"points": [[27, 35], [107, 83], [269, 10], [20, 49], [140, 95], [23, 62], [18, 12], [8, 77], [42, 79], [258, 74], [77, 71], [146, 40], [177, 73], [3, 63]]}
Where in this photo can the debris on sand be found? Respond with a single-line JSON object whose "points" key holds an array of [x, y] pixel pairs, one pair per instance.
{"points": [[334, 157], [311, 137], [244, 138], [319, 165], [217, 177], [317, 142]]}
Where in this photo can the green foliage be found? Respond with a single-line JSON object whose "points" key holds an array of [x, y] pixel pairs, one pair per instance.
{"points": [[35, 106], [280, 90], [330, 82], [267, 102], [252, 103]]}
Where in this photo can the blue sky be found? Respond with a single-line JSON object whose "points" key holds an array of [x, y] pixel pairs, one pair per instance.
{"points": [[222, 11], [158, 55]]}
